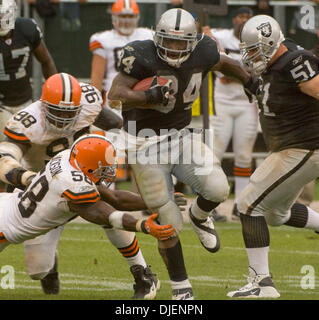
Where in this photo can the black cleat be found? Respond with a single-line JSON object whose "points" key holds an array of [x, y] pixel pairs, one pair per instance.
{"points": [[146, 283], [50, 283]]}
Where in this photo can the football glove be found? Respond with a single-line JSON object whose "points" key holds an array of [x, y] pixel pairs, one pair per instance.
{"points": [[158, 94], [251, 87], [149, 226]]}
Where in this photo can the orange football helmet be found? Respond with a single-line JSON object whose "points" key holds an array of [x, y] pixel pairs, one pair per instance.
{"points": [[96, 157], [125, 15], [61, 96]]}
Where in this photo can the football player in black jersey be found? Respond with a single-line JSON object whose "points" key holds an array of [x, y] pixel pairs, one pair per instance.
{"points": [[19, 39], [289, 116], [159, 115]]}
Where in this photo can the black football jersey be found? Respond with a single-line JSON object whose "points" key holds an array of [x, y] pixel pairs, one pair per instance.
{"points": [[288, 117], [139, 59], [15, 62]]}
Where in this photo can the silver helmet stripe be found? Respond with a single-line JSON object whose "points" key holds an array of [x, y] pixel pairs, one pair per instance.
{"points": [[67, 87]]}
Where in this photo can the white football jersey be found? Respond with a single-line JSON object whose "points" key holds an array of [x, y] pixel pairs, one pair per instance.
{"points": [[232, 93], [108, 45], [44, 204], [28, 126]]}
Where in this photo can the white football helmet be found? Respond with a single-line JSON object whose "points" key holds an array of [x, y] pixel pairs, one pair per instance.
{"points": [[8, 15], [180, 25], [260, 39]]}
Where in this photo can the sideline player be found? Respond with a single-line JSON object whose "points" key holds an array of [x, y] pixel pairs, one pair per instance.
{"points": [[289, 114], [66, 110], [106, 45], [183, 58]]}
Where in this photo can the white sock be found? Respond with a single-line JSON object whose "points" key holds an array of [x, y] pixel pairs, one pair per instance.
{"points": [[313, 220], [137, 259], [258, 259], [180, 284], [198, 212], [240, 184]]}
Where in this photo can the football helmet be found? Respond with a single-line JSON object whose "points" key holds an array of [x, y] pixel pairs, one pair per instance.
{"points": [[61, 96], [175, 36], [8, 15], [260, 38], [96, 157], [125, 16]]}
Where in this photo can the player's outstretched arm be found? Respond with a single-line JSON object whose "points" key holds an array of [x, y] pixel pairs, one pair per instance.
{"points": [[103, 214], [11, 170], [232, 68], [130, 201]]}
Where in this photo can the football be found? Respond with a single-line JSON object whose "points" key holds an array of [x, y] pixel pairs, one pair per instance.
{"points": [[146, 83]]}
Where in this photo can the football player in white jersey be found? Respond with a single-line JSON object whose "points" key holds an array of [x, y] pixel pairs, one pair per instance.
{"points": [[106, 45], [73, 183], [234, 116], [66, 111]]}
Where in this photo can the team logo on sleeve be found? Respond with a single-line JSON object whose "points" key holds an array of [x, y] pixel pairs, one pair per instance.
{"points": [[265, 29]]}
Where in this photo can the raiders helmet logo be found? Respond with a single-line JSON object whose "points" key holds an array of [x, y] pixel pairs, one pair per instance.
{"points": [[265, 29]]}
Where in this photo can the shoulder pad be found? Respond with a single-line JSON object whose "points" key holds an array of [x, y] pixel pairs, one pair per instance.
{"points": [[137, 59], [300, 65], [206, 51]]}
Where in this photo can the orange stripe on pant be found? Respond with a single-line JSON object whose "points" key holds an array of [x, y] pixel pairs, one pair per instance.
{"points": [[242, 172], [131, 250]]}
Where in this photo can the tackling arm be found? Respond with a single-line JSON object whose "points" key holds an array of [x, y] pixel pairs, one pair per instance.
{"points": [[11, 170], [103, 214], [231, 68], [98, 71]]}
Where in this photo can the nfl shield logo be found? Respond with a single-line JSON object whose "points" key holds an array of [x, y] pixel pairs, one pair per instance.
{"points": [[265, 29]]}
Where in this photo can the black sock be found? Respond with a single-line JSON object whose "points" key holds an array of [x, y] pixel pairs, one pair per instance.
{"points": [[173, 258], [298, 217]]}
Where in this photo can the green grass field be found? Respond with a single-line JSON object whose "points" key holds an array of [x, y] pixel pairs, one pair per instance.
{"points": [[91, 269]]}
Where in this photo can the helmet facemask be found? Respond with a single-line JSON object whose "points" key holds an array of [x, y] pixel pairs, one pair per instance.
{"points": [[8, 15], [174, 57], [104, 174], [61, 118], [125, 23]]}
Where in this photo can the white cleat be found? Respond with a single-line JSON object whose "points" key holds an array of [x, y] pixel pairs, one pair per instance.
{"points": [[206, 232], [259, 286], [183, 294]]}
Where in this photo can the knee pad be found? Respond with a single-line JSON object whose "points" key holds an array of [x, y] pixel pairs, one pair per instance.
{"points": [[153, 188], [119, 238], [216, 188], [274, 218], [171, 214]]}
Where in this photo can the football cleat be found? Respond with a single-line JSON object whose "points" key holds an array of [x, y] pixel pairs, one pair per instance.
{"points": [[50, 283], [259, 286], [206, 232], [182, 294], [235, 213], [218, 217], [146, 283]]}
